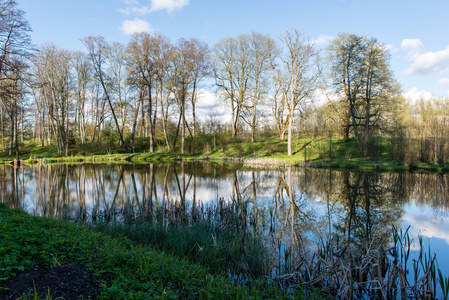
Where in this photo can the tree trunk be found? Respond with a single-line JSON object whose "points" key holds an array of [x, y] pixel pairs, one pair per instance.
{"points": [[143, 131], [164, 120], [11, 139], [290, 124], [351, 100], [122, 142], [21, 123], [193, 109], [183, 120], [3, 128], [152, 121], [289, 136], [356, 132], [233, 122], [282, 135], [366, 131], [16, 143], [136, 116], [253, 125], [346, 131]]}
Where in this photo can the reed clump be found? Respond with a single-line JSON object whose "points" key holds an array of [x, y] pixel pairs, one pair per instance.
{"points": [[371, 271], [228, 238], [217, 236]]}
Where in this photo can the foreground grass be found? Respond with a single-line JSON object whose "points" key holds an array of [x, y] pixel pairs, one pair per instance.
{"points": [[334, 153], [132, 270]]}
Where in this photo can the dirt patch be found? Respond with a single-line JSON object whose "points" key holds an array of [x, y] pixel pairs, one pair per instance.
{"points": [[67, 282]]}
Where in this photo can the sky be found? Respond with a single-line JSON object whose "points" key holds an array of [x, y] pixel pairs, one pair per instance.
{"points": [[415, 31]]}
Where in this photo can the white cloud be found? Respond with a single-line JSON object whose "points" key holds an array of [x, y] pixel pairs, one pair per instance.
{"points": [[414, 45], [168, 5], [135, 26], [210, 106], [207, 99], [414, 95], [425, 63], [156, 5], [323, 39], [131, 2], [443, 81], [426, 225], [144, 10], [320, 97], [430, 62], [390, 48]]}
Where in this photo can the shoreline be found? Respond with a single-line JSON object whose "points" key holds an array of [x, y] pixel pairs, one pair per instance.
{"points": [[268, 162]]}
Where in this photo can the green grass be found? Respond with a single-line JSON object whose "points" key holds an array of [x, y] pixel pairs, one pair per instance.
{"points": [[322, 152], [133, 270]]}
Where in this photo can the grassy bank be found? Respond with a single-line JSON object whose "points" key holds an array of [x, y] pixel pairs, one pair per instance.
{"points": [[334, 153], [129, 269]]}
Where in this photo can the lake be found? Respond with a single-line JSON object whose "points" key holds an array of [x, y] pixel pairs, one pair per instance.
{"points": [[290, 207]]}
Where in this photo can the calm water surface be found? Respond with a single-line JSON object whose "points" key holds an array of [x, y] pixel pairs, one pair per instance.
{"points": [[295, 205]]}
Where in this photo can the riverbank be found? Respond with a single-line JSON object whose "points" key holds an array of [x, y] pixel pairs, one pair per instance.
{"points": [[110, 267], [312, 153]]}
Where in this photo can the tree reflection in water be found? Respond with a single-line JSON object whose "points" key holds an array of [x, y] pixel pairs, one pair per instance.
{"points": [[332, 229]]}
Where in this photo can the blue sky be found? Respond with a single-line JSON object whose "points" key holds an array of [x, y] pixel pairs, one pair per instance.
{"points": [[415, 31]]}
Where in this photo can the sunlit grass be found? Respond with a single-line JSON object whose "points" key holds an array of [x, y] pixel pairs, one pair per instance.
{"points": [[321, 152]]}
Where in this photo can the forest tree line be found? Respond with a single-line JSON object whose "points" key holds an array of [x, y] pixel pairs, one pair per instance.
{"points": [[144, 94]]}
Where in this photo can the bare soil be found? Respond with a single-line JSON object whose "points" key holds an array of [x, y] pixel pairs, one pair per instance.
{"points": [[64, 282]]}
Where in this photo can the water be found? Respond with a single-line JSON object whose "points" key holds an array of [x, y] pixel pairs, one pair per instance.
{"points": [[289, 207]]}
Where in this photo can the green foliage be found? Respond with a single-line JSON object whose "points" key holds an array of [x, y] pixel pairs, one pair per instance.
{"points": [[133, 271]]}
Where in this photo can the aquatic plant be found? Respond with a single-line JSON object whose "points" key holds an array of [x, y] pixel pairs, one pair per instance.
{"points": [[371, 272], [221, 237]]}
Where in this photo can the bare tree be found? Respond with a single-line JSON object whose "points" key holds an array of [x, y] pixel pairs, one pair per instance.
{"points": [[53, 81], [83, 71], [120, 90], [261, 48], [200, 68], [361, 73], [146, 56], [232, 67], [165, 85], [279, 109], [14, 34], [296, 74], [190, 66], [11, 95], [97, 110], [98, 48], [15, 44]]}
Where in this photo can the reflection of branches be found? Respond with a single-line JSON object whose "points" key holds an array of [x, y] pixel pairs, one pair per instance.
{"points": [[255, 208], [14, 197], [370, 272], [99, 188], [237, 198], [351, 211], [112, 206], [182, 189], [361, 218], [153, 190], [136, 194], [165, 194], [295, 222]]}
